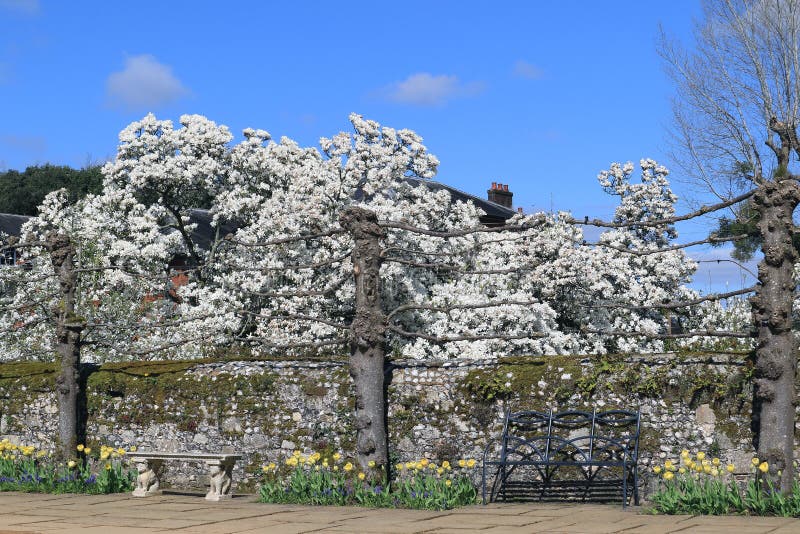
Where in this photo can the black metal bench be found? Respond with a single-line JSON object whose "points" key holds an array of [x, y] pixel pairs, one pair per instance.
{"points": [[565, 455]]}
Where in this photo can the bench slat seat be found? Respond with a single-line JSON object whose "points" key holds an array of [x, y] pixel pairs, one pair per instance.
{"points": [[572, 443]]}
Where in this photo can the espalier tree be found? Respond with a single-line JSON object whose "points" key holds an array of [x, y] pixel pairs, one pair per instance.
{"points": [[345, 246]]}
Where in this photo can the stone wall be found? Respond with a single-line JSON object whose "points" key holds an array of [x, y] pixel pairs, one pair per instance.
{"points": [[442, 410]]}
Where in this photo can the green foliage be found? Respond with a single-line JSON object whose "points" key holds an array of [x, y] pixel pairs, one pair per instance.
{"points": [[21, 193], [22, 469], [698, 488], [329, 480]]}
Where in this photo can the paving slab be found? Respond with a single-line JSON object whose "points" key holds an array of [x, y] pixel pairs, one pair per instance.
{"points": [[123, 514]]}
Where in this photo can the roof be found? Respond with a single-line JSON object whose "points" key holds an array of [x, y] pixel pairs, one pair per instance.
{"points": [[492, 209], [204, 232], [12, 224]]}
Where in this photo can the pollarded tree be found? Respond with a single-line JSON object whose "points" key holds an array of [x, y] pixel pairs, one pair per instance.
{"points": [[63, 301], [738, 107]]}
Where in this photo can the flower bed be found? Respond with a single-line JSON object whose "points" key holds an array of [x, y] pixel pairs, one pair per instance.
{"points": [[697, 484], [334, 480], [23, 468]]}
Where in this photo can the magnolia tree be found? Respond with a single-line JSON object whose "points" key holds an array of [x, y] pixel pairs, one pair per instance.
{"points": [[346, 245], [64, 298]]}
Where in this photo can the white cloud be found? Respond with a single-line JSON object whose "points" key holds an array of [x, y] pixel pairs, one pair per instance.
{"points": [[523, 69], [23, 7], [424, 89], [144, 84]]}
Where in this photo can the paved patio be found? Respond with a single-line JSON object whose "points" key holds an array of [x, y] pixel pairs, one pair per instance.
{"points": [[114, 514]]}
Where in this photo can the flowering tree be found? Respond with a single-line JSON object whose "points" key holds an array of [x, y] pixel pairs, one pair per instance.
{"points": [[347, 246], [64, 301]]}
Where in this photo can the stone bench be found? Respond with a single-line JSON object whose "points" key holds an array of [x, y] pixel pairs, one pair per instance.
{"points": [[149, 464]]}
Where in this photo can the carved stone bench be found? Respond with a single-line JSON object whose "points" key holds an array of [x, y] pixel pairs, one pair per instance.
{"points": [[150, 464]]}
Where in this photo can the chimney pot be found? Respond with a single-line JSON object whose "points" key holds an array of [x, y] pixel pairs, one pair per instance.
{"points": [[519, 210], [494, 185], [505, 187]]}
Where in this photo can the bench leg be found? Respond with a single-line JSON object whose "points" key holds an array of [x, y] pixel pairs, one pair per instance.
{"points": [[220, 485], [147, 482]]}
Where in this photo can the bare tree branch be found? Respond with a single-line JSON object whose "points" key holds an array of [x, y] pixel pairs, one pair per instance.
{"points": [[297, 316], [683, 335], [475, 337], [708, 240], [460, 233], [668, 220], [449, 308], [673, 305], [304, 237]]}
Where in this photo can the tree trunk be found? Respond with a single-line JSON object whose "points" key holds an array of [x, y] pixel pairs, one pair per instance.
{"points": [[68, 344], [776, 351], [368, 337]]}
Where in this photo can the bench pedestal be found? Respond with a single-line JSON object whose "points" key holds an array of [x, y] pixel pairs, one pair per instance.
{"points": [[150, 466]]}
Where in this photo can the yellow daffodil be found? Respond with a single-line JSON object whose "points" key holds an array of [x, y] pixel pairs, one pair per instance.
{"points": [[324, 463], [79, 447], [462, 463], [707, 469], [439, 471], [361, 476], [108, 467], [668, 475], [399, 467], [657, 469], [701, 455], [715, 462], [296, 454], [121, 451], [681, 470], [448, 482], [424, 462], [714, 472], [335, 467], [348, 466], [446, 464], [685, 453], [470, 463], [755, 461], [730, 468], [668, 465], [71, 464], [337, 456], [87, 450], [133, 449], [763, 467], [104, 455], [410, 465], [371, 463]]}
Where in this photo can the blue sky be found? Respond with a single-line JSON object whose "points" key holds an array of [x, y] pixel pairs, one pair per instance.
{"points": [[538, 95]]}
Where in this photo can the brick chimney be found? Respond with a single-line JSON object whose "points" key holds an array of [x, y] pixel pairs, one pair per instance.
{"points": [[499, 194]]}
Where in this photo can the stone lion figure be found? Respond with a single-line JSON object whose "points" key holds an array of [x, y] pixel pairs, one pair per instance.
{"points": [[220, 483], [147, 481]]}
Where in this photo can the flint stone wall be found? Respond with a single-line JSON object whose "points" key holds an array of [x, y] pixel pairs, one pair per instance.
{"points": [[440, 410]]}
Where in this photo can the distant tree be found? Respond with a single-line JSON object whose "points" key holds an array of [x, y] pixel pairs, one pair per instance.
{"points": [[22, 192], [737, 112]]}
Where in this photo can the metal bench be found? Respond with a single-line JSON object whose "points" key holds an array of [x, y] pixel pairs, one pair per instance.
{"points": [[150, 464], [564, 455]]}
